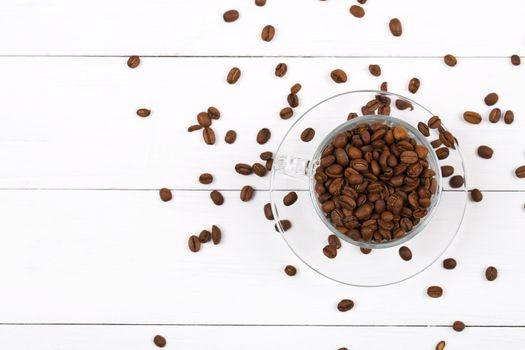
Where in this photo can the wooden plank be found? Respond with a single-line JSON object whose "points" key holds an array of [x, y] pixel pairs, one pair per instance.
{"points": [[122, 257], [71, 123], [119, 27]]}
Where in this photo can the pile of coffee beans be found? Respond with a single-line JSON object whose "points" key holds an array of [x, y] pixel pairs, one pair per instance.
{"points": [[205, 236]]}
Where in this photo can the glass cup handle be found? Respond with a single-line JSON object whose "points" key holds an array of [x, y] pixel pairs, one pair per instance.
{"points": [[291, 166]]}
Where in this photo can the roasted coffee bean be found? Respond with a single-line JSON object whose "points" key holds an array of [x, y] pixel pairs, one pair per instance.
{"points": [[281, 69], [204, 236], [449, 264], [133, 61], [267, 33], [434, 291], [330, 251], [345, 305], [286, 113], [339, 76], [230, 16], [395, 27], [403, 104], [357, 11], [447, 139], [495, 115], [204, 119], [476, 195], [194, 243], [434, 122], [266, 155], [263, 136], [365, 251], [194, 128], [508, 118], [260, 2], [442, 153], [216, 234], [375, 70], [515, 60], [206, 178], [436, 143], [214, 113], [268, 214], [485, 152], [243, 169], [405, 253], [440, 345], [295, 88], [159, 341], [447, 170], [233, 75], [520, 172], [351, 115], [290, 270], [384, 86], [268, 165], [472, 117], [491, 99], [259, 169], [230, 136], [285, 225], [290, 198], [362, 2], [450, 60], [491, 273], [334, 241], [143, 112], [307, 135], [293, 100], [423, 128], [414, 85], [458, 326], [165, 194], [456, 181], [217, 197], [209, 136], [246, 193]]}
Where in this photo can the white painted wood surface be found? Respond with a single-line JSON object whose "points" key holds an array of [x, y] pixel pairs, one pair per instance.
{"points": [[85, 239]]}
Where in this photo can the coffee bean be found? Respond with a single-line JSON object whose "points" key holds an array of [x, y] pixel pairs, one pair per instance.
{"points": [[345, 305], [268, 214], [165, 194], [209, 136], [194, 128], [281, 69], [293, 100], [285, 225], [491, 99], [263, 136], [436, 143], [434, 291], [286, 113], [295, 88], [515, 60], [246, 193], [440, 345], [204, 119], [495, 115], [395, 27], [260, 2], [357, 11], [423, 128], [520, 172], [214, 113], [476, 195], [194, 243], [485, 152], [403, 104], [268, 32], [243, 169], [339, 76], [365, 251], [204, 236], [133, 61], [290, 270], [307, 135], [472, 117], [449, 264], [334, 241], [508, 118], [491, 273], [233, 75], [216, 197], [456, 181], [143, 112], [230, 136], [216, 234], [447, 139], [434, 122], [230, 16], [351, 115], [450, 60], [290, 198], [405, 253], [414, 85], [375, 70], [330, 251], [442, 153], [259, 169], [458, 326], [266, 155], [159, 341]]}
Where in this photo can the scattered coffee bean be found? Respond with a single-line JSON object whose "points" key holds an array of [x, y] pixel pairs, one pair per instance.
{"points": [[423, 128], [334, 241], [491, 273], [362, 2], [217, 197], [458, 326], [268, 214], [436, 143], [204, 119], [209, 136], [339, 76], [159, 341], [286, 113], [307, 135], [351, 116], [456, 181], [508, 118], [194, 128], [357, 11], [414, 85], [216, 234], [384, 86], [260, 2], [268, 32], [293, 100], [230, 136], [266, 155], [243, 169], [204, 236], [520, 172], [143, 112], [442, 153], [485, 152], [395, 27], [450, 60], [476, 195], [447, 139], [495, 115], [246, 193], [165, 194], [194, 243], [263, 136], [214, 113], [434, 291], [365, 251], [284, 225], [449, 264], [259, 169], [405, 253], [375, 70], [233, 75], [440, 345], [230, 16], [434, 122], [472, 117], [290, 270], [281, 69], [290, 198], [345, 305], [295, 88], [491, 99], [515, 60], [403, 104], [133, 61], [330, 251]]}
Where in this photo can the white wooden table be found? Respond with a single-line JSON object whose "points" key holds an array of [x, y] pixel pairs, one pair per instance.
{"points": [[90, 258]]}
